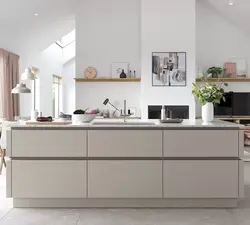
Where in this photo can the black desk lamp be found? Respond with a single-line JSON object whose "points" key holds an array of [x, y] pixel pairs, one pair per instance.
{"points": [[107, 102]]}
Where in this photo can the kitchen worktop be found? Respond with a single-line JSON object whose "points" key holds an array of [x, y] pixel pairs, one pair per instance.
{"points": [[186, 124]]}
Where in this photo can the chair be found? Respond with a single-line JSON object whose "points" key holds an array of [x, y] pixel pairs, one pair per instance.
{"points": [[5, 126], [2, 155], [2, 159]]}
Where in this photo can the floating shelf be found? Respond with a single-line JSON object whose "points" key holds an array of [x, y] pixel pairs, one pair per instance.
{"points": [[223, 80], [108, 80]]}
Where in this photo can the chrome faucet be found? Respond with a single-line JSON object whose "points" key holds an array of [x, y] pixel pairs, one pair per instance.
{"points": [[125, 111]]}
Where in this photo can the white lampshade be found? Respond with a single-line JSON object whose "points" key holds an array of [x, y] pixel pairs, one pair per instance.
{"points": [[20, 89], [28, 74]]}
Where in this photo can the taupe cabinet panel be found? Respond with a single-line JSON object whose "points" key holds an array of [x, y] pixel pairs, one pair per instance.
{"points": [[125, 143], [201, 143], [49, 143], [125, 179], [201, 179], [49, 179]]}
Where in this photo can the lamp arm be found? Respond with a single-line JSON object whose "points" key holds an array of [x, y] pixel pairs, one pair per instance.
{"points": [[114, 107]]}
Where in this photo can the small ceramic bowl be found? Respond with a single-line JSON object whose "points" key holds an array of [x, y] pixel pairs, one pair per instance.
{"points": [[82, 118]]}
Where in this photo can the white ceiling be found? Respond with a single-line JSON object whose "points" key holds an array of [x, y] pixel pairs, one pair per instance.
{"points": [[19, 26], [56, 18], [238, 14]]}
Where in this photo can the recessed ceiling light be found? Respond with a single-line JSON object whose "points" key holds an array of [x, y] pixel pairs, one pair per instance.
{"points": [[36, 14], [231, 2]]}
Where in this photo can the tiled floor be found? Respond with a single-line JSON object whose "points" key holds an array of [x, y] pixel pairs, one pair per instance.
{"points": [[127, 217], [5, 204], [9, 216]]}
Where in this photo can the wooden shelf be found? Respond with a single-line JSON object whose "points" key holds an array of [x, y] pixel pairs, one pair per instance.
{"points": [[108, 80], [223, 80]]}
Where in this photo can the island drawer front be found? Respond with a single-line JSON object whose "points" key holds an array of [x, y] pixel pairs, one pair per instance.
{"points": [[125, 179], [49, 143], [49, 179], [125, 143], [201, 143], [201, 179]]}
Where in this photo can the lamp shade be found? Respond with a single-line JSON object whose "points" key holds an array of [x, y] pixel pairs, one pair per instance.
{"points": [[20, 89], [28, 74]]}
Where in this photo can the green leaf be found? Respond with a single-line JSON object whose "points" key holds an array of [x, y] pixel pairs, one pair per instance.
{"points": [[210, 92]]}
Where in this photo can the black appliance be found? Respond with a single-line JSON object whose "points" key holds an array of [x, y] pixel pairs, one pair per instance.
{"points": [[236, 104], [178, 112]]}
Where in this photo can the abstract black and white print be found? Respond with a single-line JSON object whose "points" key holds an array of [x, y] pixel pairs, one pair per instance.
{"points": [[169, 69]]}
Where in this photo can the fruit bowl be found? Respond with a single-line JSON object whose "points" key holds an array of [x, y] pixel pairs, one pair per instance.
{"points": [[83, 118]]}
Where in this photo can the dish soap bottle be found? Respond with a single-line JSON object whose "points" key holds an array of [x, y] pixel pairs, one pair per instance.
{"points": [[123, 75], [163, 113]]}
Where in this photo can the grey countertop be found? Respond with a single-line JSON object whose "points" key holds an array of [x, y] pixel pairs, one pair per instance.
{"points": [[186, 124]]}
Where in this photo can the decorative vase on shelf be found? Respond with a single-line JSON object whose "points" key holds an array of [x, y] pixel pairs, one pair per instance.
{"points": [[208, 112], [123, 74]]}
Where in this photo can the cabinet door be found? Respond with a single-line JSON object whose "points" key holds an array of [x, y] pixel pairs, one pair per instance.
{"points": [[201, 143], [125, 143], [48, 179], [201, 179], [8, 179], [125, 179], [49, 143]]}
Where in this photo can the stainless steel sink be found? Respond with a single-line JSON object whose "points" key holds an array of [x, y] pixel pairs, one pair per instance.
{"points": [[121, 123]]}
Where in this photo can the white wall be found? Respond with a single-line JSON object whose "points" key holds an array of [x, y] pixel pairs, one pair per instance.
{"points": [[106, 32], [68, 78], [92, 95], [48, 62], [167, 25], [30, 41], [69, 86], [69, 52], [217, 40]]}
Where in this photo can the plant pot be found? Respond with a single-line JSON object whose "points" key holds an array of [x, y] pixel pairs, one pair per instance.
{"points": [[208, 112], [215, 75]]}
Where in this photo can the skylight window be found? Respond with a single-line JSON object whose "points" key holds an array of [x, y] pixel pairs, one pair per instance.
{"points": [[67, 39]]}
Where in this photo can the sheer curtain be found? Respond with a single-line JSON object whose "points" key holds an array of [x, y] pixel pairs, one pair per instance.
{"points": [[9, 77]]}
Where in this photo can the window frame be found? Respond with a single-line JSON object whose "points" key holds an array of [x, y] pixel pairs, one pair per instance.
{"points": [[57, 80]]}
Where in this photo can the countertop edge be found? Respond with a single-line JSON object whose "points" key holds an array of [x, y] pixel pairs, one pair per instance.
{"points": [[123, 128]]}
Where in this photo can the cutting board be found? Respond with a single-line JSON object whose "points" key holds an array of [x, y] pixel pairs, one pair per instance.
{"points": [[47, 123]]}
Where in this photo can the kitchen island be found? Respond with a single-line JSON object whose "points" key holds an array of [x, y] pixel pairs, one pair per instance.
{"points": [[138, 164]]}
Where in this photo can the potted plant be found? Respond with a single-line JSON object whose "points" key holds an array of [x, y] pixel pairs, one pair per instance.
{"points": [[207, 95], [215, 71]]}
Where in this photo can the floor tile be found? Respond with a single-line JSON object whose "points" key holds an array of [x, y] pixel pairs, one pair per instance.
{"points": [[5, 204], [242, 216], [3, 212], [157, 217], [40, 217]]}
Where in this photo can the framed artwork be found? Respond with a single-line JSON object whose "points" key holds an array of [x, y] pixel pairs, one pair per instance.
{"points": [[117, 68], [169, 69], [241, 66], [230, 69]]}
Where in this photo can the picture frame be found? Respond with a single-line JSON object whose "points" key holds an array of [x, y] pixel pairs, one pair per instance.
{"points": [[116, 69], [241, 66], [169, 69]]}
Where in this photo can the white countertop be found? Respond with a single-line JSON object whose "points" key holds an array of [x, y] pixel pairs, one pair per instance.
{"points": [[199, 124]]}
